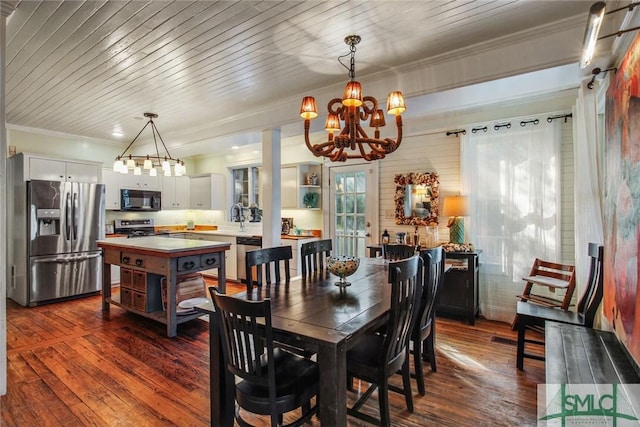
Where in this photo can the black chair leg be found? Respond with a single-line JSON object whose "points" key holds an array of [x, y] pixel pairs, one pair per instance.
{"points": [[430, 349], [417, 362], [521, 323], [383, 401], [406, 384]]}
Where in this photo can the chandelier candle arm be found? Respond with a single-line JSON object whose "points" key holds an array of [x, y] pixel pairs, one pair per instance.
{"points": [[351, 141]]}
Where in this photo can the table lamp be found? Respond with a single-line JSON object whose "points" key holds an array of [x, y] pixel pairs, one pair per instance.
{"points": [[455, 207]]}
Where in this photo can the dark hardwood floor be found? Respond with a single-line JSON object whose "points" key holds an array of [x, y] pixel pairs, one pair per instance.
{"points": [[71, 365]]}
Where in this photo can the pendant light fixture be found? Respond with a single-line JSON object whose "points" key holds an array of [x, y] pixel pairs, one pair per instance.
{"points": [[591, 33], [352, 142], [149, 162]]}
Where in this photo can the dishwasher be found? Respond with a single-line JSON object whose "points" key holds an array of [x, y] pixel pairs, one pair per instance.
{"points": [[243, 245]]}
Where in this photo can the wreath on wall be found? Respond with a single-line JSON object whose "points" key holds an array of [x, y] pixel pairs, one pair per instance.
{"points": [[428, 179]]}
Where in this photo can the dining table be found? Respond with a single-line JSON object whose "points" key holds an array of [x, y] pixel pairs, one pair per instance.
{"points": [[311, 313]]}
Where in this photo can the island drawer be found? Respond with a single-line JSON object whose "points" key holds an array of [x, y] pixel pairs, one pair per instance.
{"points": [[141, 261], [189, 263], [211, 260], [147, 302], [126, 297]]}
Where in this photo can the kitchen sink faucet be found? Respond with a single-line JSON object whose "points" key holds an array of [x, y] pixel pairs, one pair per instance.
{"points": [[237, 211]]}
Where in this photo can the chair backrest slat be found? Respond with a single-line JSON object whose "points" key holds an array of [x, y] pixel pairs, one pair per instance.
{"points": [[245, 327], [313, 255], [405, 278], [261, 262], [592, 296], [397, 252], [434, 265]]}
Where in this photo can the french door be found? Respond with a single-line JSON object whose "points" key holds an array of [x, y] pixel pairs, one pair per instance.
{"points": [[353, 208]]}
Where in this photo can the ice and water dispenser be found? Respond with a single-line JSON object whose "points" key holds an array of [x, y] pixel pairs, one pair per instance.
{"points": [[48, 222]]}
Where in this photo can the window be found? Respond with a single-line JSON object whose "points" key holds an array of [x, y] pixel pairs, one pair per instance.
{"points": [[246, 186], [512, 179]]}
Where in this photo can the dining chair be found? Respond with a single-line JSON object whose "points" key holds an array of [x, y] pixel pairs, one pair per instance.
{"points": [[558, 278], [265, 262], [270, 380], [397, 252], [423, 335], [533, 316], [313, 255], [378, 356]]}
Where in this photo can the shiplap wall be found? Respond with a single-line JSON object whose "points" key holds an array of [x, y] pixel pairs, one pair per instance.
{"points": [[427, 152]]}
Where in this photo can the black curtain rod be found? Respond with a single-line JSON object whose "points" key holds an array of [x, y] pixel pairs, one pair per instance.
{"points": [[474, 130], [560, 116], [456, 132], [502, 125], [597, 71], [525, 122]]}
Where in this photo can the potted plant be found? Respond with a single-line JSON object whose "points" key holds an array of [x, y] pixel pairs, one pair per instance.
{"points": [[310, 200]]}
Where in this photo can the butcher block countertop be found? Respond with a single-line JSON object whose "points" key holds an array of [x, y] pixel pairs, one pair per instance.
{"points": [[161, 245]]}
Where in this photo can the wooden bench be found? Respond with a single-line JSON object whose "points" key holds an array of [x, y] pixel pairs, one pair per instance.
{"points": [[579, 355]]}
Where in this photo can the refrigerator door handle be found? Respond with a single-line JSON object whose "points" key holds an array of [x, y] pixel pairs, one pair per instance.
{"points": [[75, 216], [67, 218], [59, 260]]}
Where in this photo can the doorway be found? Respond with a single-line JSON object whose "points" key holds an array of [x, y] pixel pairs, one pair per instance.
{"points": [[353, 208]]}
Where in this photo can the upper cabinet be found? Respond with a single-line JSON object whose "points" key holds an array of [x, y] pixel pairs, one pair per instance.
{"points": [[141, 182], [207, 192], [52, 169], [176, 192], [111, 181], [301, 186]]}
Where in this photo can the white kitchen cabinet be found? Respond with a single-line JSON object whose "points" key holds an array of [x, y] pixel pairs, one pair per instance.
{"points": [[176, 192], [111, 182], [207, 192], [52, 169], [289, 193], [295, 264], [296, 185], [141, 182]]}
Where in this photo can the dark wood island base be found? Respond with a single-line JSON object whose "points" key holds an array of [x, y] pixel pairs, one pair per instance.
{"points": [[147, 260]]}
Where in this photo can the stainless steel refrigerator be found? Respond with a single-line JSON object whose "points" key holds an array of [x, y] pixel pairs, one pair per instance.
{"points": [[60, 257]]}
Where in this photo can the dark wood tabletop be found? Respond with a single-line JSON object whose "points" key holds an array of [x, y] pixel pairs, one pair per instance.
{"points": [[315, 315]]}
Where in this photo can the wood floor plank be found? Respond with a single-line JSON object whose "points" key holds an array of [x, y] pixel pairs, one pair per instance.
{"points": [[165, 404], [116, 368]]}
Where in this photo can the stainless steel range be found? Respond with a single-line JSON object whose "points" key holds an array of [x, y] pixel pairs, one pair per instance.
{"points": [[135, 227]]}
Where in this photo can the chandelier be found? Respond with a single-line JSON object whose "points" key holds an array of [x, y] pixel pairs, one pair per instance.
{"points": [[352, 142], [149, 162]]}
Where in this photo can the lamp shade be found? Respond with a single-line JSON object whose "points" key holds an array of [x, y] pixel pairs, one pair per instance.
{"points": [[395, 103], [352, 96], [308, 109], [377, 119], [332, 124], [455, 206]]}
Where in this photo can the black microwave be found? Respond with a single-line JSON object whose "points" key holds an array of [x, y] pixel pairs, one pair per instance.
{"points": [[139, 200]]}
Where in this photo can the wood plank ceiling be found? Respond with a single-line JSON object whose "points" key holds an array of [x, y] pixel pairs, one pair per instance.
{"points": [[89, 68]]}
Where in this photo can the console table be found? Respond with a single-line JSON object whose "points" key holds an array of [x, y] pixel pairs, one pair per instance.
{"points": [[459, 293]]}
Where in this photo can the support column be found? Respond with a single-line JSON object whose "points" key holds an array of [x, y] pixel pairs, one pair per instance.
{"points": [[271, 185], [6, 9]]}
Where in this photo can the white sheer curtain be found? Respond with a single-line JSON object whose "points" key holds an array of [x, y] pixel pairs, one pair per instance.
{"points": [[512, 180], [588, 179]]}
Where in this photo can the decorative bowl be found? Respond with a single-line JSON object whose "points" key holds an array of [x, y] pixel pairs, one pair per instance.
{"points": [[342, 266]]}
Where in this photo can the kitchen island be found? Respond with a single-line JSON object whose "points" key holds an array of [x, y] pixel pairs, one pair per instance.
{"points": [[150, 259]]}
